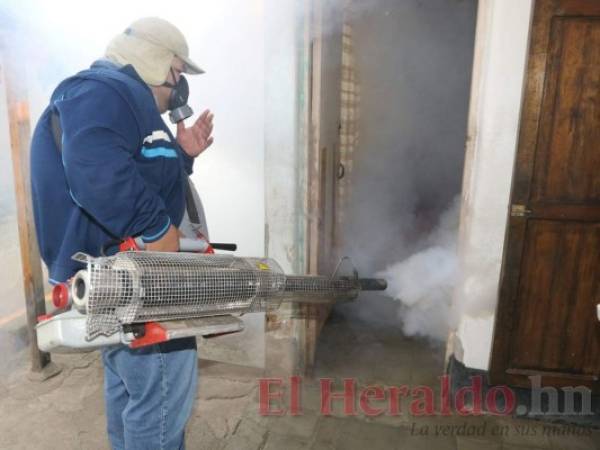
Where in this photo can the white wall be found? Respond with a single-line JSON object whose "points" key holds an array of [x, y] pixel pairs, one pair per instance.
{"points": [[498, 78], [284, 133]]}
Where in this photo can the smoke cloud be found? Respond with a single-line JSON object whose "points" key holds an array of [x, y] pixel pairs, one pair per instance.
{"points": [[413, 66], [424, 282]]}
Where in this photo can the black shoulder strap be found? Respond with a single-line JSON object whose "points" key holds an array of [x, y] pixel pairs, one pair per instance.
{"points": [[190, 203], [56, 130]]}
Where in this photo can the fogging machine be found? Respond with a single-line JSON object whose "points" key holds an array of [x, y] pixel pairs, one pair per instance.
{"points": [[139, 298]]}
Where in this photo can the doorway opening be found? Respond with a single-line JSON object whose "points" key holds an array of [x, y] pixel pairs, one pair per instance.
{"points": [[391, 171]]}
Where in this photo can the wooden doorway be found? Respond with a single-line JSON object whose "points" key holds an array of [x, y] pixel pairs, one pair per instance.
{"points": [[546, 320]]}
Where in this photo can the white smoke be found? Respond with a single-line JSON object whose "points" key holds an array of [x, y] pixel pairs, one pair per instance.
{"points": [[424, 282]]}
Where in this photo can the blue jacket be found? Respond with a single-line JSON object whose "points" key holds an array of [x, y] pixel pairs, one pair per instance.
{"points": [[120, 172]]}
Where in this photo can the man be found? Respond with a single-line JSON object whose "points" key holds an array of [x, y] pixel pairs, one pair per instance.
{"points": [[105, 166]]}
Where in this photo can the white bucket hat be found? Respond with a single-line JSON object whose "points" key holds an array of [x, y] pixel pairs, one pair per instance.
{"points": [[149, 45]]}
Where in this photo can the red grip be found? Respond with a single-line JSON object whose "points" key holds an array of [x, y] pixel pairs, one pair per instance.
{"points": [[153, 334], [129, 245]]}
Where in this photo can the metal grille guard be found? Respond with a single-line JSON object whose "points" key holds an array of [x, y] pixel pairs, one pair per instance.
{"points": [[140, 297]]}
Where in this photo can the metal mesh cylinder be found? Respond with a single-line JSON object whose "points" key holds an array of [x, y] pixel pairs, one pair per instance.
{"points": [[133, 287], [136, 287]]}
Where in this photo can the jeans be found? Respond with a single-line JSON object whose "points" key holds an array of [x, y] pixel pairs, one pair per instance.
{"points": [[149, 394]]}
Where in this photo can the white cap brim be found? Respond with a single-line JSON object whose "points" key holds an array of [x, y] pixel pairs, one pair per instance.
{"points": [[190, 66]]}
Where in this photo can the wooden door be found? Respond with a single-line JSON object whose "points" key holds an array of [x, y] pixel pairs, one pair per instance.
{"points": [[546, 320]]}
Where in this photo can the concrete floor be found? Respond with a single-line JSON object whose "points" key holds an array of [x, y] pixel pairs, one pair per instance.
{"points": [[67, 412]]}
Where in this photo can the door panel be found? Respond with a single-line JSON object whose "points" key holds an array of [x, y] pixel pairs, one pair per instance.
{"points": [[556, 290], [546, 321], [570, 116]]}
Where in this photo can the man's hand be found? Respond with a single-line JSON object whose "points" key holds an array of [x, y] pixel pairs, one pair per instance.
{"points": [[168, 243], [197, 138]]}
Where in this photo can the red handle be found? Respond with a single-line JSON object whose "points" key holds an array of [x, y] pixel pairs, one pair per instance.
{"points": [[129, 245]]}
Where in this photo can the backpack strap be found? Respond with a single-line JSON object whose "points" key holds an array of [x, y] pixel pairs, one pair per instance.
{"points": [[190, 203], [56, 130]]}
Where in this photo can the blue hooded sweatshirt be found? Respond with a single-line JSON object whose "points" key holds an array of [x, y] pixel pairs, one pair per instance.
{"points": [[120, 172]]}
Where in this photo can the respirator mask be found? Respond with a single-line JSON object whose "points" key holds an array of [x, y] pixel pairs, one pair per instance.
{"points": [[178, 108]]}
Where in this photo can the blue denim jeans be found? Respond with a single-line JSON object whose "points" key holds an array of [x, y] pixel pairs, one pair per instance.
{"points": [[149, 394]]}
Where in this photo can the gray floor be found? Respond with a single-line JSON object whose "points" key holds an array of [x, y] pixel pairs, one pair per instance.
{"points": [[66, 412]]}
